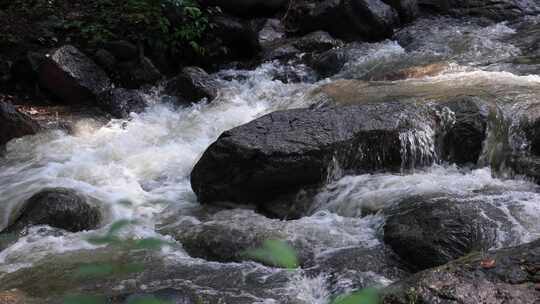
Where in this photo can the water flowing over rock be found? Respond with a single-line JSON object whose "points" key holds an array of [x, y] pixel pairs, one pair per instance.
{"points": [[431, 231], [191, 280], [72, 76], [274, 157], [470, 280], [14, 124], [60, 208]]}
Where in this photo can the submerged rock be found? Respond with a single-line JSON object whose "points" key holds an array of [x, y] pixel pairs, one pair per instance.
{"points": [[59, 208], [72, 76], [431, 231], [502, 276], [269, 160], [227, 235], [355, 268], [14, 124], [121, 102], [142, 272], [192, 85]]}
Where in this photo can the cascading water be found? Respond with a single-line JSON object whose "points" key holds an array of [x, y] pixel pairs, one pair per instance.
{"points": [[139, 168]]}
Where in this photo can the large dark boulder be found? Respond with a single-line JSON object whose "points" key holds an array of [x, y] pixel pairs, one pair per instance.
{"points": [[121, 102], [428, 231], [508, 275], [494, 9], [14, 124], [346, 19], [193, 84], [72, 76], [60, 208], [272, 158]]}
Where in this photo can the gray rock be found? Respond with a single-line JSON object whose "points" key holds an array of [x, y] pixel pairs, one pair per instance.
{"points": [[513, 278], [14, 124], [428, 231], [193, 84], [346, 19], [60, 208], [270, 159], [72, 76], [462, 142], [408, 10], [121, 102], [136, 73]]}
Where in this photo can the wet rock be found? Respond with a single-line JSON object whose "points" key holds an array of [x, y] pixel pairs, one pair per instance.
{"points": [[249, 7], [192, 85], [499, 10], [272, 158], [469, 281], [72, 76], [280, 51], [463, 141], [428, 231], [226, 235], [122, 50], [134, 74], [433, 69], [328, 63], [346, 19], [14, 124], [271, 31], [59, 208], [408, 10], [121, 102], [317, 42]]}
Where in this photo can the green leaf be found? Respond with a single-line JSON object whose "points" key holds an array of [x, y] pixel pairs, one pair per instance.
{"points": [[275, 252], [85, 299], [364, 296]]}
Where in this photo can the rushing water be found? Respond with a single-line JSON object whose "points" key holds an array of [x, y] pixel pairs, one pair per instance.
{"points": [[139, 168]]}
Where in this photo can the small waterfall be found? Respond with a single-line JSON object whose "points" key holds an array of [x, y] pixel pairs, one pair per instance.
{"points": [[417, 149]]}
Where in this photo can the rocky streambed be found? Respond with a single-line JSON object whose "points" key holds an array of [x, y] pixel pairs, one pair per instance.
{"points": [[409, 165]]}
